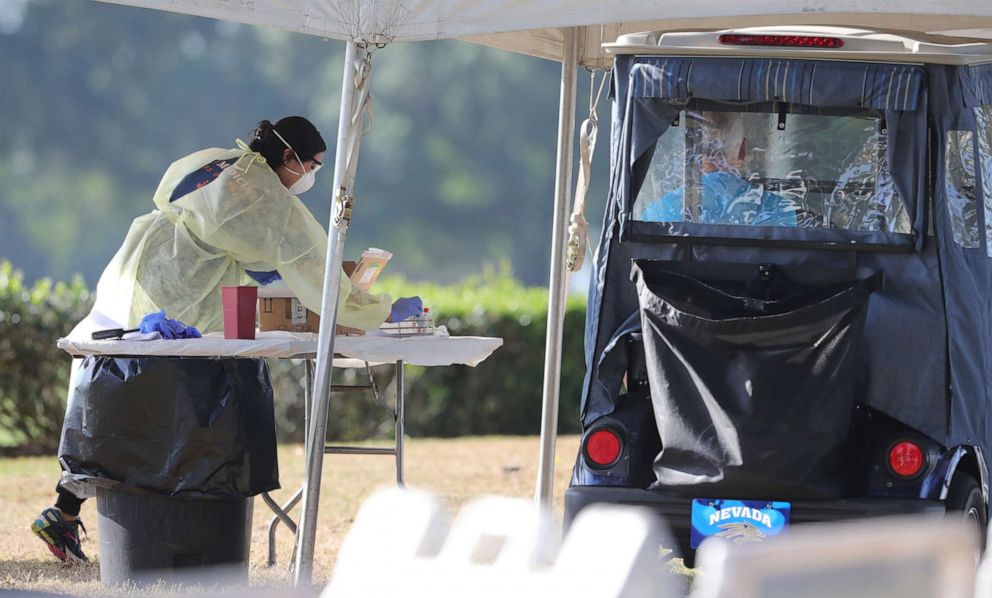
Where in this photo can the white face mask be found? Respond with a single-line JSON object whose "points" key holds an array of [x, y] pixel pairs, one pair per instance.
{"points": [[303, 184], [307, 178]]}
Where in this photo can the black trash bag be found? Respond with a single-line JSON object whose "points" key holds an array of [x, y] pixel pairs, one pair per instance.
{"points": [[752, 375], [195, 428]]}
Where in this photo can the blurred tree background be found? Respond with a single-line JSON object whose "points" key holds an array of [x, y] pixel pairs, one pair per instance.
{"points": [[501, 396], [98, 99], [456, 178]]}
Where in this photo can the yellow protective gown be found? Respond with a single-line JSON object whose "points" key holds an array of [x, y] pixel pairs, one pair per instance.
{"points": [[177, 257]]}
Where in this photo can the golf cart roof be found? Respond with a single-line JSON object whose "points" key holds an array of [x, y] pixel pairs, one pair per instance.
{"points": [[799, 41]]}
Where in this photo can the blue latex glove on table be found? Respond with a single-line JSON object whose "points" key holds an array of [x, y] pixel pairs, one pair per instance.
{"points": [[406, 307], [169, 329]]}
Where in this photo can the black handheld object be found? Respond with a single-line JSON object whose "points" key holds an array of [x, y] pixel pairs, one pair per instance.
{"points": [[100, 335]]}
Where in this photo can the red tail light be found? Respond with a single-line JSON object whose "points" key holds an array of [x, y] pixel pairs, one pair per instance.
{"points": [[782, 41], [603, 447], [906, 459]]}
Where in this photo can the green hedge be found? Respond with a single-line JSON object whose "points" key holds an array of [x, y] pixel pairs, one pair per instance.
{"points": [[500, 396], [34, 374]]}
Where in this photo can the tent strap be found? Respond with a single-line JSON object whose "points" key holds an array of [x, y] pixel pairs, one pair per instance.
{"points": [[360, 122], [578, 229]]}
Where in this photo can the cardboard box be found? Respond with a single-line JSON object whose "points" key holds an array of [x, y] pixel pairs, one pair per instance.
{"points": [[279, 310], [286, 313]]}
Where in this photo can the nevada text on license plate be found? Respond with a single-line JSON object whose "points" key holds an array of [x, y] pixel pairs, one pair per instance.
{"points": [[739, 521]]}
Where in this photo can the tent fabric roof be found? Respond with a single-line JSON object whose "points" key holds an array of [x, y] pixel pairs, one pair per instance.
{"points": [[533, 26]]}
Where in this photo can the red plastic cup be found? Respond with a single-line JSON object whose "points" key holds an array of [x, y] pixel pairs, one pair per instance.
{"points": [[239, 311]]}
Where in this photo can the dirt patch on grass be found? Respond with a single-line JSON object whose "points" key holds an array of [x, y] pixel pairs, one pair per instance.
{"points": [[457, 469]]}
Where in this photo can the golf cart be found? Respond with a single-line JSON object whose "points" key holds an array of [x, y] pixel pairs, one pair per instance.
{"points": [[790, 316]]}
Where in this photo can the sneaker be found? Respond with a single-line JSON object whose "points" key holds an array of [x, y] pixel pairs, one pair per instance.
{"points": [[61, 536]]}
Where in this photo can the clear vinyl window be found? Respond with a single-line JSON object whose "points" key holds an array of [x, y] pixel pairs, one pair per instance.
{"points": [[959, 187], [771, 169]]}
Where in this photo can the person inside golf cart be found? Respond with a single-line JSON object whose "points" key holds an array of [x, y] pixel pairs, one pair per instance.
{"points": [[726, 196], [759, 168]]}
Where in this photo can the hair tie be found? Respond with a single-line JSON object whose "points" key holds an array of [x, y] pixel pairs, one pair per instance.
{"points": [[259, 133]]}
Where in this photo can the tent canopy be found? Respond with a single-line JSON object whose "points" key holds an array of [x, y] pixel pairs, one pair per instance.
{"points": [[534, 26]]}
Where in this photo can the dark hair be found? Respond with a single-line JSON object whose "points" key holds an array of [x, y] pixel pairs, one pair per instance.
{"points": [[296, 130]]}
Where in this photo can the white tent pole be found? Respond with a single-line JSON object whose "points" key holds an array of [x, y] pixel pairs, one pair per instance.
{"points": [[338, 230], [557, 287]]}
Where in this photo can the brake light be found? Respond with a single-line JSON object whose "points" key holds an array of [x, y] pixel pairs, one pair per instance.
{"points": [[781, 41], [603, 447], [905, 459]]}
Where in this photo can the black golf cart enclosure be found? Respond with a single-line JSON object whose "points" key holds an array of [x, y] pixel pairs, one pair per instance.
{"points": [[790, 317]]}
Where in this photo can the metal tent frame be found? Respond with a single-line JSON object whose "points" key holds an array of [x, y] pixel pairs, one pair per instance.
{"points": [[357, 68]]}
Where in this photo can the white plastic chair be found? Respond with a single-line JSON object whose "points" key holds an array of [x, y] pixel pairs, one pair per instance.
{"points": [[400, 542], [923, 557], [983, 583]]}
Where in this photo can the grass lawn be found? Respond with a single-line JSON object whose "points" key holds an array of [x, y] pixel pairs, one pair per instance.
{"points": [[457, 469]]}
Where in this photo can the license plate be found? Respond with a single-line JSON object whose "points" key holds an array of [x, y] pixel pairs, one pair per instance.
{"points": [[737, 521]]}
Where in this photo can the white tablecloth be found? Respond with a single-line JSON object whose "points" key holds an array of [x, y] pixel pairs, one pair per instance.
{"points": [[350, 351]]}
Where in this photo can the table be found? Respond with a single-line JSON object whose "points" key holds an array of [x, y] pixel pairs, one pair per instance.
{"points": [[374, 348]]}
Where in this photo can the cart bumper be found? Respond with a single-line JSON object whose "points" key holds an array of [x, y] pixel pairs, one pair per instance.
{"points": [[676, 510]]}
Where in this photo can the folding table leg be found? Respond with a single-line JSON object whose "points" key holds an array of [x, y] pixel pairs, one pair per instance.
{"points": [[307, 400], [400, 400], [282, 513]]}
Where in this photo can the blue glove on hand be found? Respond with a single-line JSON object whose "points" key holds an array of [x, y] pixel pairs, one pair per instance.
{"points": [[406, 307], [264, 278], [169, 329]]}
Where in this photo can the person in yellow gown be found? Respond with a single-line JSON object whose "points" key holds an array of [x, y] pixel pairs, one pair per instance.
{"points": [[221, 217]]}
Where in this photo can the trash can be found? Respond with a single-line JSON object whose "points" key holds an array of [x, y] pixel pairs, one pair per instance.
{"points": [[173, 449], [147, 537]]}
